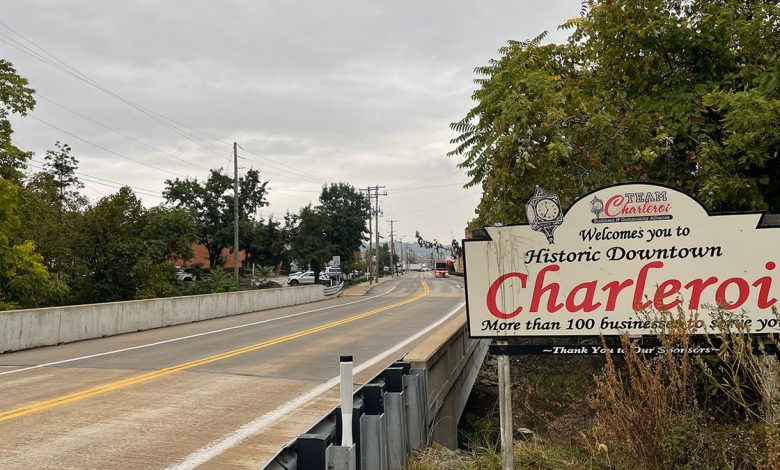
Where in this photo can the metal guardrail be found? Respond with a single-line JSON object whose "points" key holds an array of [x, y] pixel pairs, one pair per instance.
{"points": [[415, 401], [333, 290], [388, 420]]}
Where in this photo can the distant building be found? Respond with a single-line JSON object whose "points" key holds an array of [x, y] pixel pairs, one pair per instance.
{"points": [[200, 257]]}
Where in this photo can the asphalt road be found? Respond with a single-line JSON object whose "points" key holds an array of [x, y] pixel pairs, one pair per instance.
{"points": [[224, 393]]}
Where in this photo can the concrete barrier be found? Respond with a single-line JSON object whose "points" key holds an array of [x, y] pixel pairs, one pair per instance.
{"points": [[24, 329], [450, 361]]}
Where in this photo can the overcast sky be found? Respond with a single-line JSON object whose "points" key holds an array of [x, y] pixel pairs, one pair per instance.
{"points": [[314, 92]]}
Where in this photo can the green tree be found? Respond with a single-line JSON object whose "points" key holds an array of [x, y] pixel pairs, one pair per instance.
{"points": [[680, 92], [62, 166], [24, 279], [124, 251], [212, 204], [52, 223], [308, 238], [110, 250], [169, 233], [384, 259], [51, 210], [347, 211], [16, 97], [264, 242]]}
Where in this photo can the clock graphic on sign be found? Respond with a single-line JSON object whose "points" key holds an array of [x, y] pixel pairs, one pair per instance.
{"points": [[547, 209], [544, 213]]}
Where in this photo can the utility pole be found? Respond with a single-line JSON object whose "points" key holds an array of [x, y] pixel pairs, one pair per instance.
{"points": [[401, 256], [235, 212], [376, 223], [393, 270], [370, 273]]}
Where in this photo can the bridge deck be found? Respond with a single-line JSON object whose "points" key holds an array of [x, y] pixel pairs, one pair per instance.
{"points": [[217, 392]]}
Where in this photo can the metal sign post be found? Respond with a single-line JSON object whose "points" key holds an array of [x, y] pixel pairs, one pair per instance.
{"points": [[505, 411]]}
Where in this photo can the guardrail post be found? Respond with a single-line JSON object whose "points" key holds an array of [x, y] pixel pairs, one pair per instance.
{"points": [[342, 457], [415, 406], [395, 408], [357, 412], [311, 451], [373, 433], [423, 397], [345, 368]]}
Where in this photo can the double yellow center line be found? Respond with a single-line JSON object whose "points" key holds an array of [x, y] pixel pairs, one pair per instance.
{"points": [[109, 387]]}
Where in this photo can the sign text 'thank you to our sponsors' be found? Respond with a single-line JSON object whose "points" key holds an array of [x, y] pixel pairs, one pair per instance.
{"points": [[615, 259]]}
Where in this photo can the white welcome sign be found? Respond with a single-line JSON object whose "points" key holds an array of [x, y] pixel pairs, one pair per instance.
{"points": [[617, 254]]}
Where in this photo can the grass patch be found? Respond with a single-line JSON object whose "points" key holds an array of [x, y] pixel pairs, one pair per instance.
{"points": [[630, 412], [527, 455]]}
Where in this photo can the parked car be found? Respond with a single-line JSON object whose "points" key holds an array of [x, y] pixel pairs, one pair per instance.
{"points": [[333, 272], [184, 274], [306, 277]]}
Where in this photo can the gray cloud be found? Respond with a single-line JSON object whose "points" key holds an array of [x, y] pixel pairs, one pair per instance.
{"points": [[316, 92]]}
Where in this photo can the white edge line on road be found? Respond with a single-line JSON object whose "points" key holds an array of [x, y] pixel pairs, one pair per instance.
{"points": [[172, 340], [257, 425]]}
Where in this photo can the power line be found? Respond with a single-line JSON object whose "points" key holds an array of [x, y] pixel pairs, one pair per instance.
{"points": [[104, 148], [415, 188], [291, 174], [151, 191], [166, 121], [65, 68], [291, 169], [438, 206], [134, 139], [110, 184], [437, 177], [292, 195], [41, 165], [301, 190]]}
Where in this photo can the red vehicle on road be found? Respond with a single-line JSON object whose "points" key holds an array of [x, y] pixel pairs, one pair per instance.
{"points": [[441, 269]]}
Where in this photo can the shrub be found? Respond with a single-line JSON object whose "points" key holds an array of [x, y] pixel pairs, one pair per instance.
{"points": [[683, 412]]}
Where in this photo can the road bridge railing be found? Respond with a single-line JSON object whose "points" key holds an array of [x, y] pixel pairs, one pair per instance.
{"points": [[410, 404], [334, 290]]}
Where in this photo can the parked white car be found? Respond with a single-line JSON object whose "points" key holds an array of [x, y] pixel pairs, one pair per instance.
{"points": [[333, 272], [182, 274], [306, 277]]}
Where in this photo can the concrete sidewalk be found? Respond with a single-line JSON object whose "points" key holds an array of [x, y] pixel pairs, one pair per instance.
{"points": [[364, 288]]}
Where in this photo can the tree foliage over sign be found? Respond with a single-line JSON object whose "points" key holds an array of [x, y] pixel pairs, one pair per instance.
{"points": [[212, 202], [680, 92]]}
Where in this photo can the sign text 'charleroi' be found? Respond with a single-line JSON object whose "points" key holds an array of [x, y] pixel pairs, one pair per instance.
{"points": [[617, 256]]}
